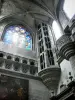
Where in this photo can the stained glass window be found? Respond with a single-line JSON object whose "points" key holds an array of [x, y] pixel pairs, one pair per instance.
{"points": [[18, 36]]}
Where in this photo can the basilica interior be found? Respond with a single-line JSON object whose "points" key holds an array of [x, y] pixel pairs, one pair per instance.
{"points": [[37, 50]]}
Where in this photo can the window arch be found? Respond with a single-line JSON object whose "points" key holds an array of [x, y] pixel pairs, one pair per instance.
{"points": [[17, 35]]}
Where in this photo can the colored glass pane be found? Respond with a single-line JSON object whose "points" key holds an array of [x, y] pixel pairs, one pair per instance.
{"points": [[18, 36]]}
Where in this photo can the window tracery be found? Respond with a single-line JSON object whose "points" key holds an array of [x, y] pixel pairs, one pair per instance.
{"points": [[18, 36]]}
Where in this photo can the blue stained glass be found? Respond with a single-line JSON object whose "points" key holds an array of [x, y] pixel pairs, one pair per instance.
{"points": [[27, 33], [28, 41], [18, 36], [8, 38]]}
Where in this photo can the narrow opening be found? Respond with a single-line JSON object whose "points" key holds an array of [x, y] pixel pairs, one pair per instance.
{"points": [[39, 26], [24, 61], [43, 56], [49, 45], [41, 59], [17, 59], [51, 53], [42, 48], [46, 33], [41, 36], [44, 28], [32, 63], [1, 55], [48, 39], [39, 32], [44, 65], [52, 61], [45, 39], [40, 43], [32, 71], [43, 24], [8, 57], [16, 68], [41, 66], [48, 53]]}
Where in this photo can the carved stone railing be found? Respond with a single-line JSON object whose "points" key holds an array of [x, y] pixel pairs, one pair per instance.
{"points": [[17, 64]]}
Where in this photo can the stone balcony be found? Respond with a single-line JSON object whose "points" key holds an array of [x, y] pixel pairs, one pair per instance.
{"points": [[11, 64], [50, 77]]}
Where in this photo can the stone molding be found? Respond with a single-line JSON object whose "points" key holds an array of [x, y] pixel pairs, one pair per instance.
{"points": [[66, 46], [9, 65], [50, 77]]}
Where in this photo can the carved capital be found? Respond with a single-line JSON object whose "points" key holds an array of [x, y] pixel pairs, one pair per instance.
{"points": [[66, 47]]}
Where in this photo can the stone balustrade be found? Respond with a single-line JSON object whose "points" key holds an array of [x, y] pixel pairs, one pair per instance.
{"points": [[18, 64]]}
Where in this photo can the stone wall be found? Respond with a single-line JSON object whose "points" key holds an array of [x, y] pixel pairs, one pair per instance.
{"points": [[38, 91], [65, 69], [35, 89], [72, 61]]}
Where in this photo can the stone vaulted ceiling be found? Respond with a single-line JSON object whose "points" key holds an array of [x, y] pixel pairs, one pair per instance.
{"points": [[42, 10]]}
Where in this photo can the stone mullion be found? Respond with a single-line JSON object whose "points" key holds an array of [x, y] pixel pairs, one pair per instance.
{"points": [[38, 55], [45, 49]]}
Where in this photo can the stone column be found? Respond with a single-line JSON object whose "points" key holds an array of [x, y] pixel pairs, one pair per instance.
{"points": [[66, 49]]}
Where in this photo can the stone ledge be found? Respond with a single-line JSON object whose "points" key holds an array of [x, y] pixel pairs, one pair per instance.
{"points": [[18, 75]]}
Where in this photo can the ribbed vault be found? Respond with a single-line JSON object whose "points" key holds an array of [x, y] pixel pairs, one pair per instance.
{"points": [[37, 9]]}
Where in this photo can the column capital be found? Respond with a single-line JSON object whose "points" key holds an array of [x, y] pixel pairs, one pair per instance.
{"points": [[66, 46]]}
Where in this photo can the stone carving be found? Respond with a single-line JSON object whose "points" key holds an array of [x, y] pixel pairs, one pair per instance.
{"points": [[62, 41]]}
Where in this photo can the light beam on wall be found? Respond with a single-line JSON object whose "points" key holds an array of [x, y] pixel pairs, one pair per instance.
{"points": [[69, 8], [57, 30]]}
